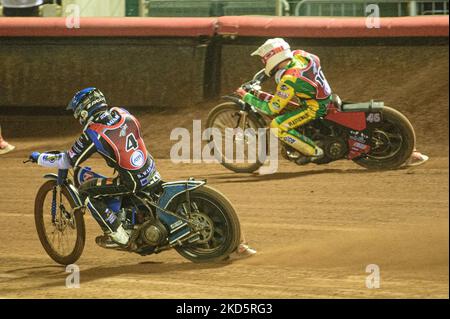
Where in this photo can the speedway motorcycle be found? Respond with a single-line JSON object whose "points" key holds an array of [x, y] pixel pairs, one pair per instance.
{"points": [[194, 219], [370, 134]]}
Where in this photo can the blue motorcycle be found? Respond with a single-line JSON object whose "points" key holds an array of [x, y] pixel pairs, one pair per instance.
{"points": [[196, 220]]}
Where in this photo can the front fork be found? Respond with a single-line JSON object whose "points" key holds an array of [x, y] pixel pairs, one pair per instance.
{"points": [[55, 191], [242, 120], [241, 125], [62, 176]]}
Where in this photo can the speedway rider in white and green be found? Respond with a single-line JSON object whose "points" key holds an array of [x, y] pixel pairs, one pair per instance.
{"points": [[299, 76]]}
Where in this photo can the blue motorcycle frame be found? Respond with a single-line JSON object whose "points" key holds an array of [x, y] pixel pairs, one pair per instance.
{"points": [[206, 234], [177, 226]]}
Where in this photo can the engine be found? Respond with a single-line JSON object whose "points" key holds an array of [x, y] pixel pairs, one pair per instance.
{"points": [[330, 139], [145, 229], [335, 148], [153, 233]]}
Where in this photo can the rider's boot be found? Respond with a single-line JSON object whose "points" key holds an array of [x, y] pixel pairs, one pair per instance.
{"points": [[5, 147], [243, 251], [303, 160], [290, 154], [117, 239], [417, 159]]}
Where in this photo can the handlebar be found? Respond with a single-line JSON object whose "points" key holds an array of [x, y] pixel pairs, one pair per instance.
{"points": [[255, 82], [47, 152], [260, 76]]}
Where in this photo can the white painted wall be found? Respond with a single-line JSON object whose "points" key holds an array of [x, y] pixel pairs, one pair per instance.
{"points": [[97, 8]]}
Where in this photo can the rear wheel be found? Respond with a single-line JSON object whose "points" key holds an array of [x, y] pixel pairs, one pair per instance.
{"points": [[60, 230], [244, 157], [393, 141], [220, 234]]}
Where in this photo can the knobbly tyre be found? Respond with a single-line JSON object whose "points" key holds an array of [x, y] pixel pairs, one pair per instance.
{"points": [[371, 134], [197, 221]]}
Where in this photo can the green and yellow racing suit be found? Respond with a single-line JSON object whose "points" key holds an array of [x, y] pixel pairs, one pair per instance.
{"points": [[302, 78]]}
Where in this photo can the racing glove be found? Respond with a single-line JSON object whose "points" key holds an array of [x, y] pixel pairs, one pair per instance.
{"points": [[52, 160], [34, 157]]}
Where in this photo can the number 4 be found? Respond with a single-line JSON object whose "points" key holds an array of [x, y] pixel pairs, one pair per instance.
{"points": [[132, 143]]}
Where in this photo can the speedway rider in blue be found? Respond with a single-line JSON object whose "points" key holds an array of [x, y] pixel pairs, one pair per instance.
{"points": [[116, 135]]}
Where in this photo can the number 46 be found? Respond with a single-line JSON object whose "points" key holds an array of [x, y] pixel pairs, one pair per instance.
{"points": [[374, 118]]}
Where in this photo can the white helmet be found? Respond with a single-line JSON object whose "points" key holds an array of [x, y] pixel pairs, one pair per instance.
{"points": [[273, 52]]}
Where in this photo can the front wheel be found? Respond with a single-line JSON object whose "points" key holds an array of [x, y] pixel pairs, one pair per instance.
{"points": [[239, 151], [393, 142], [60, 229], [220, 234]]}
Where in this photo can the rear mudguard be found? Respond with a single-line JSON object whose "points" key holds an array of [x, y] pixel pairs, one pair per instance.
{"points": [[71, 188], [177, 228]]}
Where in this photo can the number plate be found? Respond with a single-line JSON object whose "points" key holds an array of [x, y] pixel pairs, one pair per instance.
{"points": [[374, 117]]}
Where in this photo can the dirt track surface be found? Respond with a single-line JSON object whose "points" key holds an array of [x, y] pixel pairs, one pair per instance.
{"points": [[315, 228]]}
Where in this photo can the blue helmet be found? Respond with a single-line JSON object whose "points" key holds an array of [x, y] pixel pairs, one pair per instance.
{"points": [[86, 103]]}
